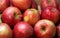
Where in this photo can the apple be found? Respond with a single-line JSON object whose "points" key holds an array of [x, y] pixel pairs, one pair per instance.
{"points": [[50, 14], [45, 29], [11, 16], [58, 1], [5, 31], [34, 4], [31, 16], [48, 3], [58, 30], [4, 4], [23, 30], [22, 4], [58, 6]]}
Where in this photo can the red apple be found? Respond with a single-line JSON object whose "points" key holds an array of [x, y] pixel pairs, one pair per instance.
{"points": [[45, 29], [23, 30], [58, 1], [34, 4], [4, 4], [48, 3], [58, 6], [58, 31], [22, 4], [5, 31], [11, 16], [31, 16], [50, 14]]}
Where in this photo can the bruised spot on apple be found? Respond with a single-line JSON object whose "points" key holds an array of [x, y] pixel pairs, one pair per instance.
{"points": [[31, 16]]}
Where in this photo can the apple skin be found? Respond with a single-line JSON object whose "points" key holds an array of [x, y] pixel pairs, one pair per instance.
{"points": [[4, 4], [22, 4], [58, 6], [23, 30], [31, 16], [45, 29], [48, 3], [5, 31], [58, 1], [11, 16], [58, 30], [50, 14], [34, 4]]}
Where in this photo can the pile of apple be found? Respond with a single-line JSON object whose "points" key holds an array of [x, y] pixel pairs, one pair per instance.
{"points": [[22, 19]]}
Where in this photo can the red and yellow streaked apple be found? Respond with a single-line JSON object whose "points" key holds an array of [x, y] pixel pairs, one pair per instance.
{"points": [[45, 29], [31, 16]]}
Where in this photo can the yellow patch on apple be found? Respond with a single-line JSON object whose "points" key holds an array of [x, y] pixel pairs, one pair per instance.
{"points": [[26, 18]]}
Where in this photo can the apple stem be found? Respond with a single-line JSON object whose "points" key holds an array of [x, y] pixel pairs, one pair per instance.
{"points": [[16, 15], [10, 3], [39, 9]]}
